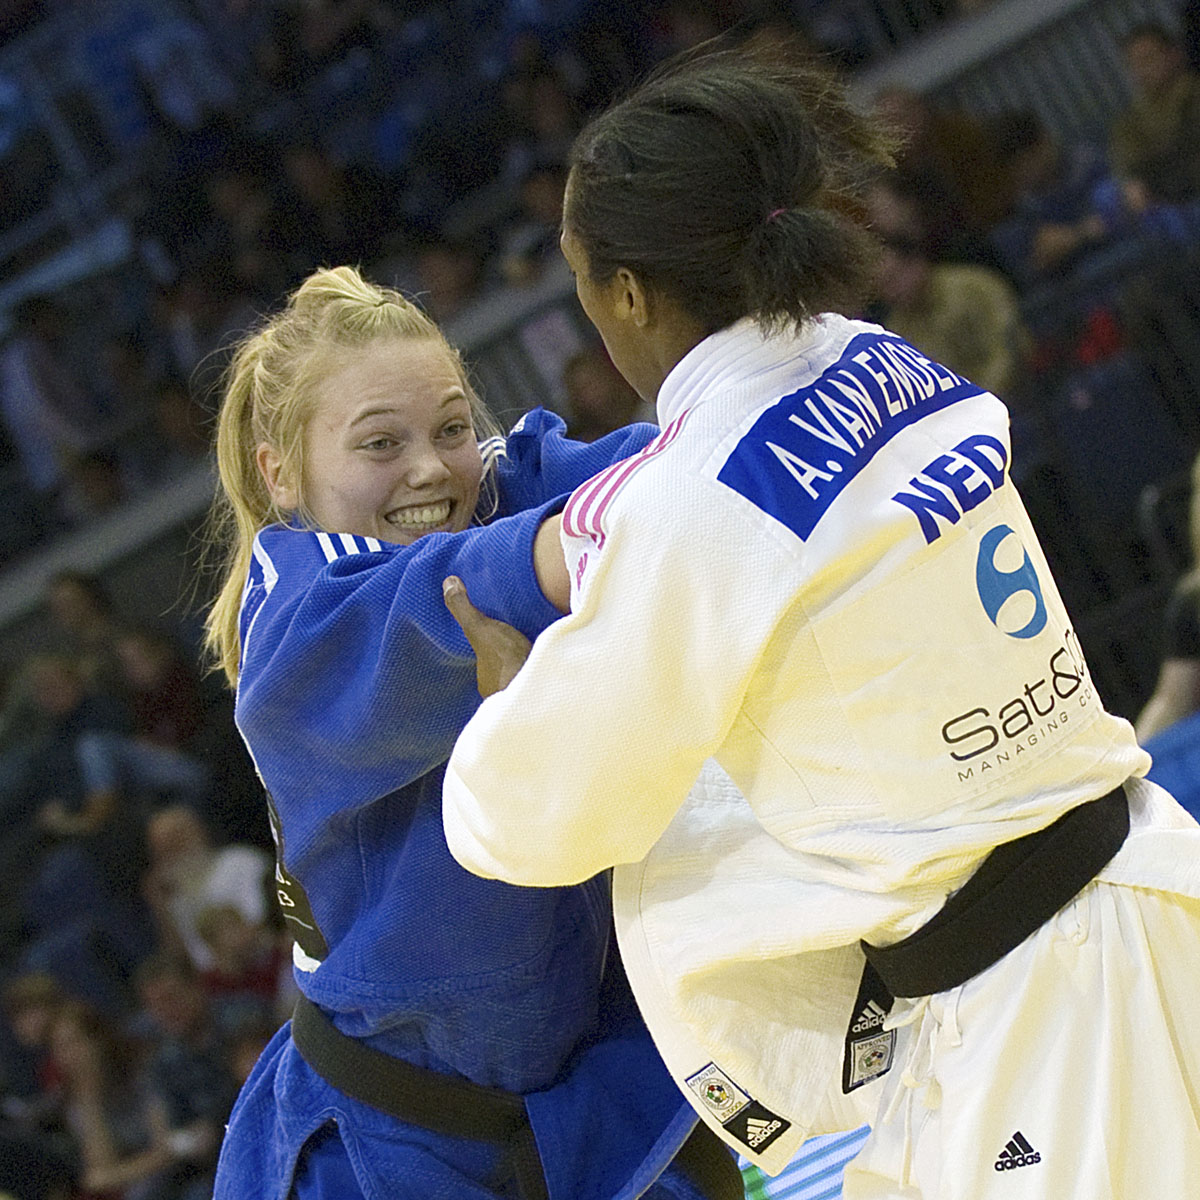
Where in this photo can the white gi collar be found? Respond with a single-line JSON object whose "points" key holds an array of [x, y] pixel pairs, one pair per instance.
{"points": [[736, 355]]}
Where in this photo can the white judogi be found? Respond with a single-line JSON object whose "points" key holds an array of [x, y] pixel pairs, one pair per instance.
{"points": [[821, 577]]}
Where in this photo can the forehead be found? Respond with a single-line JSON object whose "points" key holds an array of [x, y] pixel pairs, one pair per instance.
{"points": [[570, 190], [405, 375], [573, 251]]}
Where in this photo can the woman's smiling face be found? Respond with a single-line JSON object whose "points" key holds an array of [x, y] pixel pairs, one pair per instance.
{"points": [[390, 449]]}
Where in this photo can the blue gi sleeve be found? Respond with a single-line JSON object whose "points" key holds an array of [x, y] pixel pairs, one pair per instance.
{"points": [[353, 670], [541, 462]]}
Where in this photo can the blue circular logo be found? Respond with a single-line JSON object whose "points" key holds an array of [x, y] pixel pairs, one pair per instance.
{"points": [[996, 587]]}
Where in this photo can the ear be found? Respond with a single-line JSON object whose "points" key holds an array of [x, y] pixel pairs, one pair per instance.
{"points": [[631, 300], [270, 466]]}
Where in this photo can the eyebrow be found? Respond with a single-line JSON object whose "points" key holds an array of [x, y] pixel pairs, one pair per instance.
{"points": [[371, 412], [366, 414]]}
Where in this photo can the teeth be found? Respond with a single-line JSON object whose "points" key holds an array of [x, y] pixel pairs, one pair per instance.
{"points": [[427, 514]]}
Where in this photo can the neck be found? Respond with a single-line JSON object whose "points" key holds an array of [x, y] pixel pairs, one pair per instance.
{"points": [[672, 336]]}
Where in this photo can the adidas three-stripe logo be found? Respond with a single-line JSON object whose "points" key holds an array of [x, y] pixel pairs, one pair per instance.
{"points": [[758, 1131], [1018, 1153], [871, 1017]]}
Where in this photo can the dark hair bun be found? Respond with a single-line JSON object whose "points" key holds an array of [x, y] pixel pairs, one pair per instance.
{"points": [[729, 180]]}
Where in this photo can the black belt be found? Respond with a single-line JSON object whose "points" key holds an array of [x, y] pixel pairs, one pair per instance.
{"points": [[444, 1104], [1017, 889], [457, 1107]]}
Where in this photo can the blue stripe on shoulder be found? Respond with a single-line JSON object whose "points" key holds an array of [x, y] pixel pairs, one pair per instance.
{"points": [[797, 458]]}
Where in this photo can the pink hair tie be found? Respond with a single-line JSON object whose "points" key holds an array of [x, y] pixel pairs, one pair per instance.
{"points": [[772, 215]]}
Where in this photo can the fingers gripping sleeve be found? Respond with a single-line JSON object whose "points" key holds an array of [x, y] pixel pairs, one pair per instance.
{"points": [[583, 760]]}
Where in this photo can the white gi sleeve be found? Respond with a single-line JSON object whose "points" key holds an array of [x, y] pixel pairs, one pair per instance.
{"points": [[582, 761]]}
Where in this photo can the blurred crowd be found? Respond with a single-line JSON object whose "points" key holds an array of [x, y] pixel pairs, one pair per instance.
{"points": [[447, 181], [144, 966], [423, 142]]}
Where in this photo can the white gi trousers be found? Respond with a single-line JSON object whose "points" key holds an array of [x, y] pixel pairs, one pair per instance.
{"points": [[1068, 1070]]}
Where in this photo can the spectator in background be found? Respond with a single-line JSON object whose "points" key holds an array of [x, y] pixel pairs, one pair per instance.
{"points": [[1065, 202], [680, 24], [950, 161], [24, 728], [774, 23], [244, 234], [1154, 147], [37, 1157], [599, 399], [18, 16], [188, 1072], [177, 438], [82, 626], [125, 370], [962, 315], [896, 205], [72, 859], [296, 41], [166, 211], [450, 273], [249, 980], [97, 484], [542, 31], [328, 29], [76, 802], [49, 415], [334, 213], [119, 1135], [1177, 689], [902, 200], [188, 874], [31, 1004], [183, 81], [531, 239], [163, 687], [95, 781], [541, 121], [196, 312], [123, 765]]}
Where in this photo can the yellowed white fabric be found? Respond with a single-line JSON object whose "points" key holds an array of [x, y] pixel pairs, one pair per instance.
{"points": [[1078, 1045], [833, 678]]}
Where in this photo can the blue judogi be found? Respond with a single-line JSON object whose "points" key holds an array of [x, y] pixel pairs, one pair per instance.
{"points": [[354, 684]]}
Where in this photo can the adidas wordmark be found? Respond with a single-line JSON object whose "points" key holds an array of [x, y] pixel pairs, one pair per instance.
{"points": [[759, 1131], [871, 1017], [1018, 1153]]}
